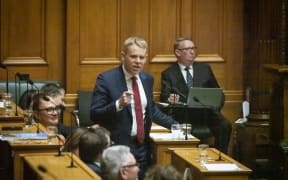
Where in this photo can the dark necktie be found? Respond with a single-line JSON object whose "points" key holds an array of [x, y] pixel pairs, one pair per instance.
{"points": [[188, 77], [138, 110]]}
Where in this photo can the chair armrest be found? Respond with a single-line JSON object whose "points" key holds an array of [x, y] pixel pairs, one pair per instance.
{"points": [[75, 114]]}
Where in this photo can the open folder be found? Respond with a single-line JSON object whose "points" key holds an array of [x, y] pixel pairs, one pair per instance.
{"points": [[205, 97]]}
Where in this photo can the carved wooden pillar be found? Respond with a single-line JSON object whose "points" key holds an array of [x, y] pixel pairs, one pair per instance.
{"points": [[279, 102], [284, 36]]}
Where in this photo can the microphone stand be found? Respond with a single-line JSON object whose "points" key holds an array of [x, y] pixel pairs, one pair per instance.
{"points": [[33, 85], [219, 157], [21, 77], [59, 146], [186, 121], [5, 67], [71, 153], [186, 106], [47, 98], [16, 96]]}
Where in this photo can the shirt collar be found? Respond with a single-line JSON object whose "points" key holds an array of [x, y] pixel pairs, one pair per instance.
{"points": [[127, 75], [182, 67]]}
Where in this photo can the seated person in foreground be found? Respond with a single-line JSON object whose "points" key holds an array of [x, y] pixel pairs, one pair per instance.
{"points": [[118, 163], [46, 112], [162, 172], [72, 142], [185, 73], [91, 145]]}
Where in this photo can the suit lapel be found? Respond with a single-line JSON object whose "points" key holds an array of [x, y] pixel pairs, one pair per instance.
{"points": [[180, 81], [123, 87], [197, 74]]}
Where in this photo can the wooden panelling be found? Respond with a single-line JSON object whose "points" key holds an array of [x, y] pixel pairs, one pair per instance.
{"points": [[163, 25], [32, 38], [134, 18], [96, 31], [73, 41], [23, 30]]}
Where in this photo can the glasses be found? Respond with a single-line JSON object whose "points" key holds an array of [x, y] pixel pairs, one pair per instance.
{"points": [[188, 48], [50, 110], [131, 165]]}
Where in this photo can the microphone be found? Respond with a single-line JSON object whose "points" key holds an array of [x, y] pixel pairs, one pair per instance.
{"points": [[48, 99], [33, 85], [3, 66], [59, 145], [176, 91], [44, 170], [21, 77], [219, 156], [202, 104]]}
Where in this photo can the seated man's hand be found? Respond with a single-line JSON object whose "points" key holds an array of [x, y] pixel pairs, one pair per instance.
{"points": [[173, 98]]}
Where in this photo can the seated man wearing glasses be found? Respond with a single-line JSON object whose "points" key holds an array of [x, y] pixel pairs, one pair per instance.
{"points": [[47, 112], [118, 163], [185, 73]]}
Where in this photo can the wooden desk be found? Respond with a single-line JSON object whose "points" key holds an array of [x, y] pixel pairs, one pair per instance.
{"points": [[26, 146], [188, 158], [11, 119], [19, 111], [58, 166], [155, 128], [160, 146]]}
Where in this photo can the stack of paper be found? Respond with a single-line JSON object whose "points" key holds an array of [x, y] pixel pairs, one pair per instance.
{"points": [[221, 167], [168, 136]]}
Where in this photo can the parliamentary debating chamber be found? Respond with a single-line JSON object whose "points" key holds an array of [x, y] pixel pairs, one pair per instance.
{"points": [[70, 42]]}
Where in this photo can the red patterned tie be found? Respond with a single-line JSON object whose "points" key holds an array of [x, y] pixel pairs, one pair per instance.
{"points": [[138, 110]]}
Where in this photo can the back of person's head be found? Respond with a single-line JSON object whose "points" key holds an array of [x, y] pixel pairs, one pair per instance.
{"points": [[162, 172], [113, 159], [52, 89], [25, 100], [103, 132], [72, 142], [91, 145]]}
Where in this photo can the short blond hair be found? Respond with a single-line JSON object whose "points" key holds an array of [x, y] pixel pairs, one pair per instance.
{"points": [[138, 41]]}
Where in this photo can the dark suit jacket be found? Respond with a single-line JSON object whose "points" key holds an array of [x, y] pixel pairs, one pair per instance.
{"points": [[65, 130], [109, 87], [95, 168], [172, 80]]}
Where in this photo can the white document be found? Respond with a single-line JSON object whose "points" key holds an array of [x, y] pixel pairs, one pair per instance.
{"points": [[221, 167], [167, 136], [158, 128]]}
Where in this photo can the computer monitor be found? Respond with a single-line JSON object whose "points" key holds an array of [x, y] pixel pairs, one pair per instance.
{"points": [[205, 97]]}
